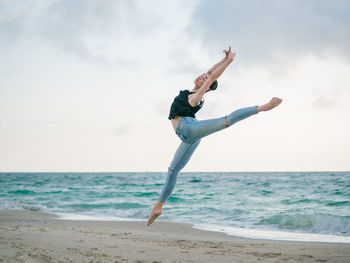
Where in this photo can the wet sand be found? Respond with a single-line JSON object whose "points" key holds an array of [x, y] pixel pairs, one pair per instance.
{"points": [[27, 236]]}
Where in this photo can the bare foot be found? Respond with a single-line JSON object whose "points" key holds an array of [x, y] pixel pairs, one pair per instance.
{"points": [[156, 211], [274, 102]]}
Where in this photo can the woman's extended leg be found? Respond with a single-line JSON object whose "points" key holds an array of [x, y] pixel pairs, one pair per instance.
{"points": [[181, 158], [200, 129]]}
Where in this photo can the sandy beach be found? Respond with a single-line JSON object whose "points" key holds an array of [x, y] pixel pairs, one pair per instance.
{"points": [[28, 236]]}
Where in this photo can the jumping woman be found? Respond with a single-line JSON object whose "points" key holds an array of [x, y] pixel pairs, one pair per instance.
{"points": [[190, 130]]}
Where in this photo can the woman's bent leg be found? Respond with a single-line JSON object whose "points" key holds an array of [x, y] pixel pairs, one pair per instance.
{"points": [[203, 128], [181, 158]]}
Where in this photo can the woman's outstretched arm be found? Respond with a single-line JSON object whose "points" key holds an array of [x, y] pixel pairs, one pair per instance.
{"points": [[218, 71], [211, 70], [194, 100]]}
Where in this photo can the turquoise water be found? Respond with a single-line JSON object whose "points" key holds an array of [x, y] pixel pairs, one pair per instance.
{"points": [[294, 202]]}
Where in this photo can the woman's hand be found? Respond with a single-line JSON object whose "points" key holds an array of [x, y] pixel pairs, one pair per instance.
{"points": [[229, 54], [227, 51]]}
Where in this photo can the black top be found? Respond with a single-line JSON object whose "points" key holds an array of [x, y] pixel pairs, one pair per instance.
{"points": [[182, 107]]}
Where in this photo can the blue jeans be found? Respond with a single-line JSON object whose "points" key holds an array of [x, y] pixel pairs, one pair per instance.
{"points": [[190, 131]]}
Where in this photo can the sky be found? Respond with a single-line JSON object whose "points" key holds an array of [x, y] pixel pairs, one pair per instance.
{"points": [[86, 85]]}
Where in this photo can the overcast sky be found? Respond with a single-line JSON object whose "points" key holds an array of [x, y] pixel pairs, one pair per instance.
{"points": [[86, 85]]}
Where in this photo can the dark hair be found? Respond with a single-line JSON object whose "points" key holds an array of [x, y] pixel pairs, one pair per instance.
{"points": [[213, 86]]}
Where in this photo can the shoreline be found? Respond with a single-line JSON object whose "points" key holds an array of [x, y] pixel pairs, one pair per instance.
{"points": [[27, 236], [249, 233]]}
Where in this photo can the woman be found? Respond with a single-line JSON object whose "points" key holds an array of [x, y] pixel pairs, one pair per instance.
{"points": [[190, 130]]}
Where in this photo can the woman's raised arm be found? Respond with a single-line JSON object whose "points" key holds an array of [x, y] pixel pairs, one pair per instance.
{"points": [[194, 100], [211, 70], [219, 70]]}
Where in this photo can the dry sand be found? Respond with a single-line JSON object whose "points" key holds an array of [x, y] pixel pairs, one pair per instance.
{"points": [[27, 236]]}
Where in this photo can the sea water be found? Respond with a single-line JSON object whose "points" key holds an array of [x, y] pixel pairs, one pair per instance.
{"points": [[304, 206]]}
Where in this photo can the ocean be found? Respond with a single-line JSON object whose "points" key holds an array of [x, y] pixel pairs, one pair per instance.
{"points": [[300, 206]]}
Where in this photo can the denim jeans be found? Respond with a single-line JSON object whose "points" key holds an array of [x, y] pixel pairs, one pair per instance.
{"points": [[190, 131]]}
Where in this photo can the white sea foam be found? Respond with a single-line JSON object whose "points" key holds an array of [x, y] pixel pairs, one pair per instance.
{"points": [[274, 235], [231, 231], [92, 218]]}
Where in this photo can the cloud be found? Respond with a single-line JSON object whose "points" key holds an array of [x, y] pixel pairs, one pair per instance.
{"points": [[112, 33], [13, 20], [271, 30], [131, 32]]}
